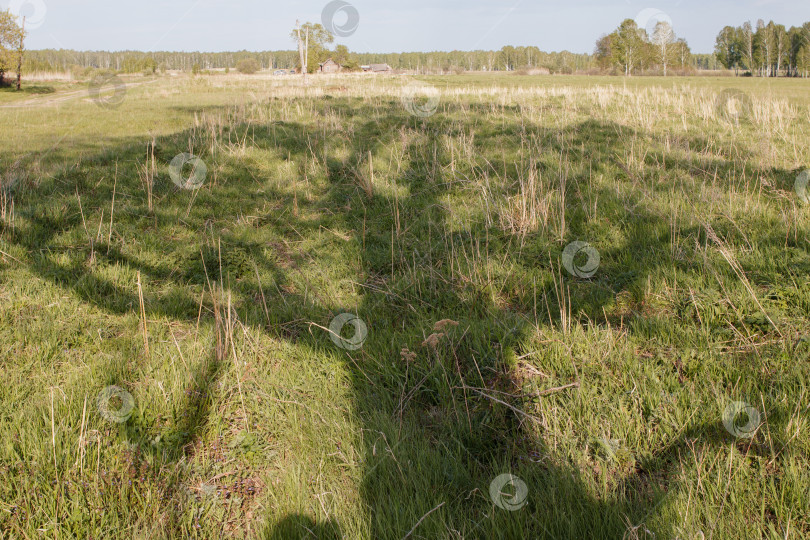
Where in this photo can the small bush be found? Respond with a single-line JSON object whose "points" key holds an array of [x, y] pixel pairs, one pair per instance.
{"points": [[80, 73], [248, 66]]}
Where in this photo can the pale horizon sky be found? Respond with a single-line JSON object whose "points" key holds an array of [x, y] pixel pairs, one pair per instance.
{"points": [[384, 26]]}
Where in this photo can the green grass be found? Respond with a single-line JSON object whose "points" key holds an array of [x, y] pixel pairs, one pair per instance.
{"points": [[605, 396]]}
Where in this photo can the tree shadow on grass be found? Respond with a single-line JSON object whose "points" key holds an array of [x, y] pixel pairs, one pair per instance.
{"points": [[443, 441], [27, 89], [442, 404], [298, 526]]}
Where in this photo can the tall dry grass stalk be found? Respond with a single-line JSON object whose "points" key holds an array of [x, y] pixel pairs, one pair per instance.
{"points": [[536, 206], [366, 181], [147, 173], [725, 250], [527, 211], [563, 295], [143, 317], [16, 176], [6, 206]]}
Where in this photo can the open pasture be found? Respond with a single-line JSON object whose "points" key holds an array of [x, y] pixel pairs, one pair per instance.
{"points": [[172, 366]]}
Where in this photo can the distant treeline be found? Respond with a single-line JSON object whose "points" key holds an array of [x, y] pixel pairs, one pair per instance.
{"points": [[62, 60], [765, 49], [506, 59]]}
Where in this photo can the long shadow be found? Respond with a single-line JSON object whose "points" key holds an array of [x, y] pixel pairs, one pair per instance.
{"points": [[445, 405], [427, 412], [447, 412], [301, 526]]}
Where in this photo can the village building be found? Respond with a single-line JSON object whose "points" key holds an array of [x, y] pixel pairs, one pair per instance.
{"points": [[330, 66], [377, 68]]}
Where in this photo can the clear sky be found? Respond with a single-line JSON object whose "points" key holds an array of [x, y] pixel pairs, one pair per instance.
{"points": [[384, 25]]}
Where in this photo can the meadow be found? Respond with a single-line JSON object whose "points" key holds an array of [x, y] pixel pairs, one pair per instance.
{"points": [[370, 298]]}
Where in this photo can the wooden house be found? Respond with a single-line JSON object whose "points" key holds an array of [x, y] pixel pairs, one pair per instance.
{"points": [[330, 66]]}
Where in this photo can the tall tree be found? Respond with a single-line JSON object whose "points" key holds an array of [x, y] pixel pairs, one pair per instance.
{"points": [[760, 48], [747, 37], [728, 48], [766, 35], [345, 58], [508, 58], [796, 39], [781, 46], [604, 51], [11, 36], [682, 52], [803, 52], [629, 45], [664, 40], [20, 52], [312, 39]]}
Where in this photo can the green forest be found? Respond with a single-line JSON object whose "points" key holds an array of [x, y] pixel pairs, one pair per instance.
{"points": [[754, 49]]}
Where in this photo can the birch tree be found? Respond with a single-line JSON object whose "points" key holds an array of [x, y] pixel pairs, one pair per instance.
{"points": [[683, 52], [781, 46], [664, 40], [747, 35], [312, 39], [766, 35], [728, 48], [628, 45]]}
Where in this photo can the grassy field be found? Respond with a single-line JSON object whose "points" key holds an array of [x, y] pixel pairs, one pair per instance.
{"points": [[172, 358]]}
